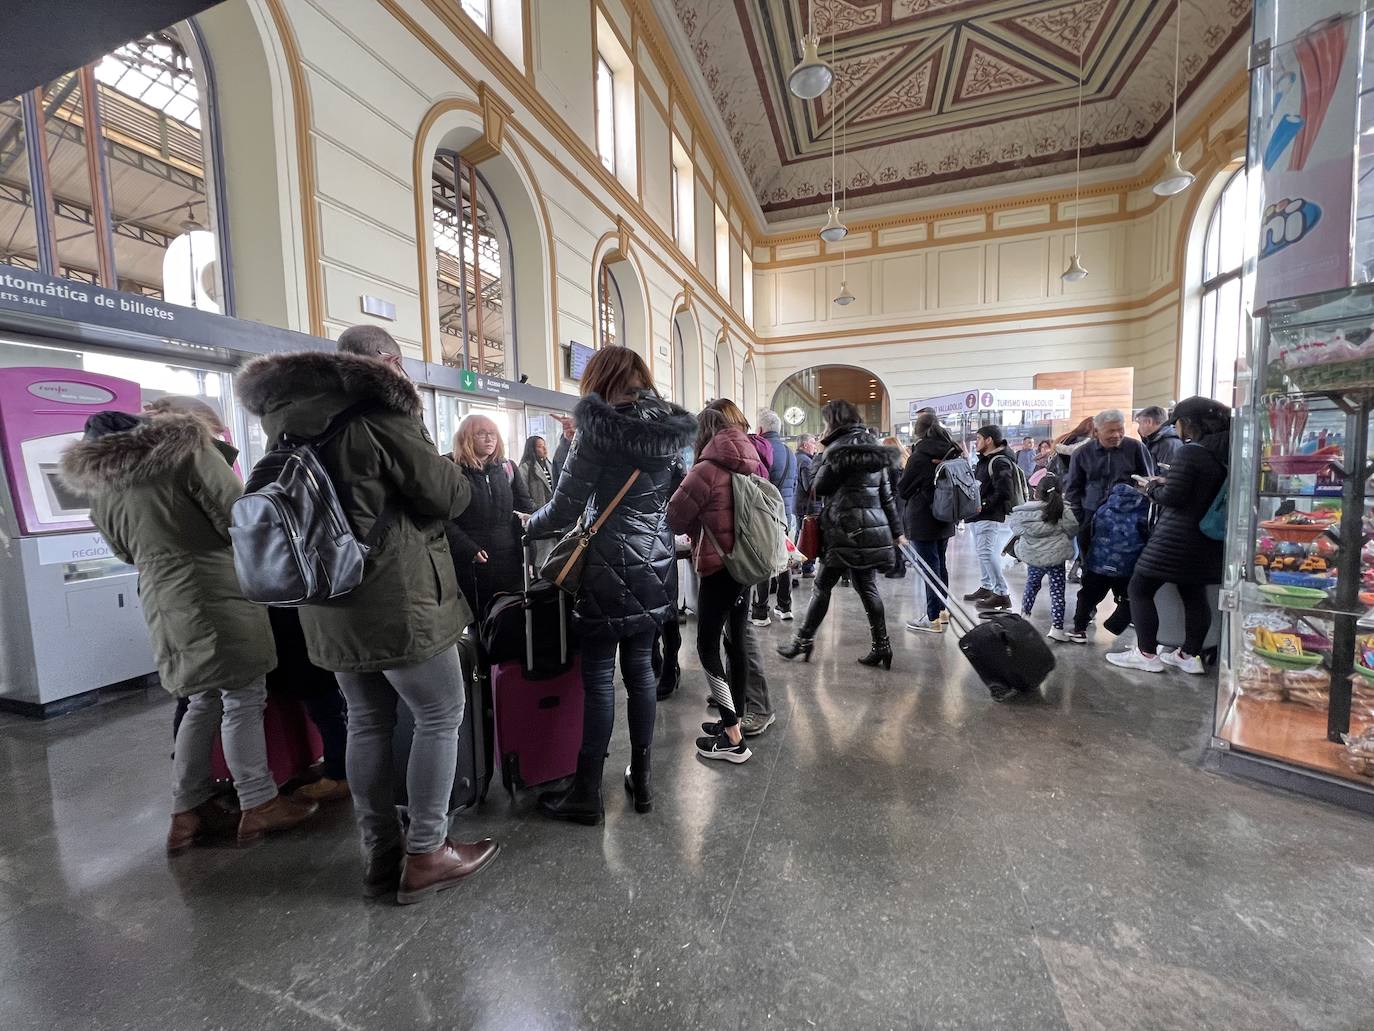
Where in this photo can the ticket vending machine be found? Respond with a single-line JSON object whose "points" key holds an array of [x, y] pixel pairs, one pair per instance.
{"points": [[70, 619]]}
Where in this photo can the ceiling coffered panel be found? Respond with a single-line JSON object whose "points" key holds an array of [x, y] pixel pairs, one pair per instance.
{"points": [[942, 95]]}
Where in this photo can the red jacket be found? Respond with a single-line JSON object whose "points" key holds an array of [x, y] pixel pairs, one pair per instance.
{"points": [[707, 499]]}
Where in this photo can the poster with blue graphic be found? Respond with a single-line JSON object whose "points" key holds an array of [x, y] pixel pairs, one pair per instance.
{"points": [[1306, 146]]}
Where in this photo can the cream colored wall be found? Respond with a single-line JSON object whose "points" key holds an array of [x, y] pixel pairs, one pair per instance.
{"points": [[970, 294], [377, 75]]}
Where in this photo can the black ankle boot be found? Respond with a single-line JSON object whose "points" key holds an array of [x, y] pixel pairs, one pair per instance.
{"points": [[881, 655], [668, 681], [581, 802], [799, 645], [637, 780]]}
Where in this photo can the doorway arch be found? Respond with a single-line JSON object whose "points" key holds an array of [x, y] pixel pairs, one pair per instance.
{"points": [[800, 398]]}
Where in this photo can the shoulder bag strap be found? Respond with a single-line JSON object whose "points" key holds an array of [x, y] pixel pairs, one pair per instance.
{"points": [[615, 501]]}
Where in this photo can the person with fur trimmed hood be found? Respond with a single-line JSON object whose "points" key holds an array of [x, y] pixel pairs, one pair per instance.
{"points": [[394, 637], [627, 445], [859, 527], [160, 488]]}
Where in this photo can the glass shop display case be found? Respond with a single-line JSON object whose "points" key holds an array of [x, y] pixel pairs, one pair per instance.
{"points": [[1297, 661]]}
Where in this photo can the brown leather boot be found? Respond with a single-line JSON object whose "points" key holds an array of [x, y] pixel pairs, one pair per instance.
{"points": [[280, 814], [431, 872], [323, 791], [199, 826]]}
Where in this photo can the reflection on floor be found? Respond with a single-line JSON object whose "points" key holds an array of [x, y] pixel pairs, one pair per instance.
{"points": [[1293, 733], [901, 852]]}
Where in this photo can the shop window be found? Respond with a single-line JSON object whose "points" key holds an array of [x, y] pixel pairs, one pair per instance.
{"points": [[1222, 322], [609, 306], [722, 254], [133, 208], [472, 249], [684, 198]]}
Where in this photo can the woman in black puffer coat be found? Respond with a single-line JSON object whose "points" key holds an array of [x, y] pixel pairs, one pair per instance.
{"points": [[859, 527], [629, 586], [1178, 552], [485, 540]]}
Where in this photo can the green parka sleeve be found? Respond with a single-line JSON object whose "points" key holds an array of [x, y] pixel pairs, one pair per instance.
{"points": [[431, 485], [214, 488]]}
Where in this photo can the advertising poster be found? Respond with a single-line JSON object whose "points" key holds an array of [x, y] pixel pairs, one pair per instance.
{"points": [[1307, 151]]}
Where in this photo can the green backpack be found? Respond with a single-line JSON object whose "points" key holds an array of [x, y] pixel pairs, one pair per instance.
{"points": [[760, 531], [1213, 521]]}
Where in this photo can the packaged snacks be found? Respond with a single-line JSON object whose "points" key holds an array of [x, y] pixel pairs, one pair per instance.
{"points": [[1261, 683], [1309, 687], [1359, 751]]}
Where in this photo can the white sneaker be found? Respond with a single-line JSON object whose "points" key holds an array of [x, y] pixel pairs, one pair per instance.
{"points": [[1058, 633], [1188, 663], [925, 626], [1132, 658], [784, 615], [765, 621]]}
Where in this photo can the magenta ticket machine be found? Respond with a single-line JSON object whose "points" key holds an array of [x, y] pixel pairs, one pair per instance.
{"points": [[70, 620]]}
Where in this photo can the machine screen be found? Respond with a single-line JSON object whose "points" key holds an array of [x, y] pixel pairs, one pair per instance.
{"points": [[63, 501]]}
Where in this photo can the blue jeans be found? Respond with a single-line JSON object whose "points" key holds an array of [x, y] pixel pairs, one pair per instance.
{"points": [[989, 538], [933, 552], [598, 680]]}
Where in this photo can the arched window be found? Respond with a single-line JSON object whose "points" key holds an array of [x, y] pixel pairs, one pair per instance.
{"points": [[1222, 322], [610, 307], [121, 192], [472, 248], [679, 364]]}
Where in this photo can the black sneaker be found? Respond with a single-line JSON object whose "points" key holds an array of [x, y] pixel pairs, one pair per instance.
{"points": [[719, 747], [712, 729]]}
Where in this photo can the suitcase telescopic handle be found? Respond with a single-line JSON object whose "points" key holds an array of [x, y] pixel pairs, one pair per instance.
{"points": [[527, 543], [958, 614]]}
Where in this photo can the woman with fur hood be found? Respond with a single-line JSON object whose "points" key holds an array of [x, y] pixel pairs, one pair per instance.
{"points": [[859, 526], [625, 459], [160, 490]]}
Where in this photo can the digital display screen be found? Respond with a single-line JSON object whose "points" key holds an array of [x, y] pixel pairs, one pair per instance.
{"points": [[578, 357], [64, 500]]}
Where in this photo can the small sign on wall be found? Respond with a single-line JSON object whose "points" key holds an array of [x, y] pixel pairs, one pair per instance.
{"points": [[379, 308]]}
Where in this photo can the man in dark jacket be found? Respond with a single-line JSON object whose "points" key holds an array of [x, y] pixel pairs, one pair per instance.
{"points": [[1162, 441], [1096, 467], [807, 504], [782, 473], [394, 637], [999, 488]]}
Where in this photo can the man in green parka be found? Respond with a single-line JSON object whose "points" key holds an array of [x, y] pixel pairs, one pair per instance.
{"points": [[160, 492], [395, 635]]}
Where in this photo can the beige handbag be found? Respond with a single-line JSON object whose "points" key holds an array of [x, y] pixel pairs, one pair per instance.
{"points": [[563, 567]]}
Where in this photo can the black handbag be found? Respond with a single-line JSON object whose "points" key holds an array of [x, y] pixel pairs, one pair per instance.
{"points": [[563, 568]]}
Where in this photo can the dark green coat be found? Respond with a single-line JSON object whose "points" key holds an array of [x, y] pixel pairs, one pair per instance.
{"points": [[160, 493], [408, 607]]}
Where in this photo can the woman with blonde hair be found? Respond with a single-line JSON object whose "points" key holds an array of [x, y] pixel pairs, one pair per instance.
{"points": [[485, 540]]}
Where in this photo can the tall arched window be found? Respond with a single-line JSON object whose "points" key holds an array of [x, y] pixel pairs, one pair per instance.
{"points": [[121, 193], [1222, 322], [472, 249], [609, 308], [679, 364]]}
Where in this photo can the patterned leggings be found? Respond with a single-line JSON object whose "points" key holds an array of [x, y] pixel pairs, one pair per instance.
{"points": [[1034, 576]]}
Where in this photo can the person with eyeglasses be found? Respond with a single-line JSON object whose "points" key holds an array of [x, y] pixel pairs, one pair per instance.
{"points": [[485, 540]]}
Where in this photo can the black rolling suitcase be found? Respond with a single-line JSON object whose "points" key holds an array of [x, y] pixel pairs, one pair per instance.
{"points": [[1006, 652], [472, 776]]}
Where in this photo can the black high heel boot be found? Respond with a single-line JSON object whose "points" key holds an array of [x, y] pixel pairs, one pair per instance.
{"points": [[799, 645], [637, 780], [581, 802], [881, 655]]}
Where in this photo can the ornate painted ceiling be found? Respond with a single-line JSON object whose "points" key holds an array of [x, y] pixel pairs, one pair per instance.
{"points": [[940, 95]]}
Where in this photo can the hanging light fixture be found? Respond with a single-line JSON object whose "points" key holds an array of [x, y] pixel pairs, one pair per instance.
{"points": [[1176, 178], [844, 298], [812, 76], [1076, 271], [834, 229]]}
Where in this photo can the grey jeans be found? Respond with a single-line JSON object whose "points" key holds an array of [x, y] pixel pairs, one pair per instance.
{"points": [[237, 717], [756, 686], [433, 691]]}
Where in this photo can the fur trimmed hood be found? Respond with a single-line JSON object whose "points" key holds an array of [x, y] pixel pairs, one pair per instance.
{"points": [[853, 450], [266, 383], [648, 428], [153, 448]]}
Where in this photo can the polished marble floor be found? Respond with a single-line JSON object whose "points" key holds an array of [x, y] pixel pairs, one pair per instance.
{"points": [[900, 853]]}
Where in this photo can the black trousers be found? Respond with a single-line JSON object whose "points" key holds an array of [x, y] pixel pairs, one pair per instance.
{"points": [[865, 583], [1197, 614], [724, 602], [783, 584], [1092, 590]]}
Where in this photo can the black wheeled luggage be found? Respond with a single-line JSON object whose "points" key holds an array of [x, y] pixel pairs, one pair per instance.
{"points": [[1008, 654], [472, 775]]}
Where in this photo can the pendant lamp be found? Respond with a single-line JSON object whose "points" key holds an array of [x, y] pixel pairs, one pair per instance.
{"points": [[812, 76], [1176, 178], [845, 297], [834, 229], [1076, 271]]}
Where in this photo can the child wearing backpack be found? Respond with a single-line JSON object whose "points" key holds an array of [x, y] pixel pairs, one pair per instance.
{"points": [[703, 508], [1045, 531]]}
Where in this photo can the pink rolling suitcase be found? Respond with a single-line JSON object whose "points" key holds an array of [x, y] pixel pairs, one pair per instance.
{"points": [[538, 718], [293, 743]]}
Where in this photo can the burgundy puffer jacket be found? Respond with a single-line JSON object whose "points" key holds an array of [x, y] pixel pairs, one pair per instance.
{"points": [[707, 499]]}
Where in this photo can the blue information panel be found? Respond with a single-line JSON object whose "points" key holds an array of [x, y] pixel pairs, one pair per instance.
{"points": [[578, 357]]}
